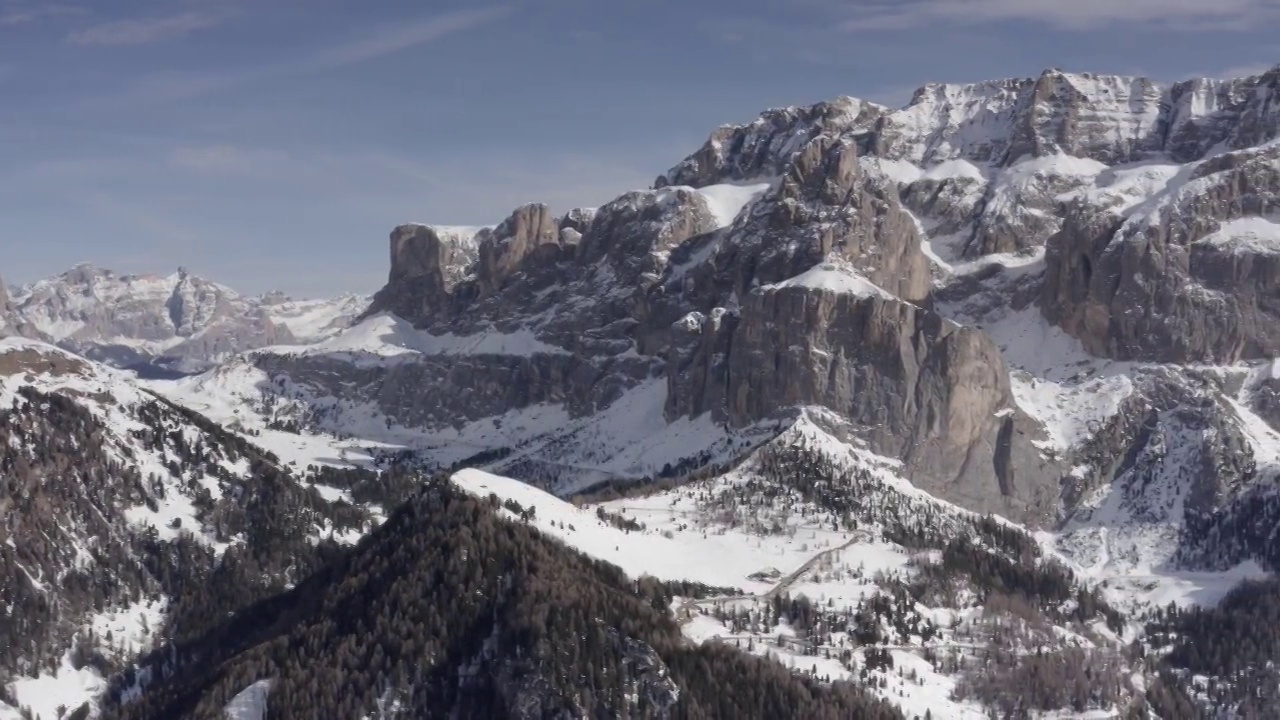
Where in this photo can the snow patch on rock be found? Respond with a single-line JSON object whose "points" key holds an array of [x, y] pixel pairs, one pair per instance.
{"points": [[1257, 235], [836, 277]]}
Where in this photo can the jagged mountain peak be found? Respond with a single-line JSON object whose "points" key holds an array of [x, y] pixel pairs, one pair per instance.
{"points": [[1108, 118]]}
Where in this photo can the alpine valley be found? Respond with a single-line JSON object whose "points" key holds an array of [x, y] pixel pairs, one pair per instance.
{"points": [[967, 409]]}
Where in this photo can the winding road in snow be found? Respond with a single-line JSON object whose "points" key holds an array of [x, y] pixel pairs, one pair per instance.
{"points": [[685, 612]]}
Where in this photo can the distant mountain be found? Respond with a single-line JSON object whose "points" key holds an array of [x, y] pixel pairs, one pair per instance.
{"points": [[11, 323], [178, 322], [8, 318]]}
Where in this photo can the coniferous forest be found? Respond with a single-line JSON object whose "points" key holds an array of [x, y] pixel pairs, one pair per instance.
{"points": [[449, 610]]}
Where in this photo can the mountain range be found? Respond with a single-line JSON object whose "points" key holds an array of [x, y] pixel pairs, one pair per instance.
{"points": [[178, 322], [962, 409]]}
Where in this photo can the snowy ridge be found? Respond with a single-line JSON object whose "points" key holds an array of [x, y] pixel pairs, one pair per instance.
{"points": [[836, 277], [386, 336], [111, 395], [707, 550], [310, 320], [143, 438], [707, 533]]}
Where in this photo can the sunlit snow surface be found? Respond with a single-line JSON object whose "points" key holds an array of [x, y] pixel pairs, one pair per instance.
{"points": [[683, 541], [132, 630], [1247, 235], [65, 688], [121, 631], [834, 276], [725, 201], [250, 703], [631, 437]]}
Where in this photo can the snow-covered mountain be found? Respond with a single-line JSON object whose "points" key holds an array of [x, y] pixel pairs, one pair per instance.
{"points": [[967, 402], [901, 268], [179, 321]]}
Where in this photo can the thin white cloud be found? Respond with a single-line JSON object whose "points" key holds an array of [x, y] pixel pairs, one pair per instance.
{"points": [[23, 12], [223, 159], [402, 37], [145, 31], [369, 47], [873, 15]]}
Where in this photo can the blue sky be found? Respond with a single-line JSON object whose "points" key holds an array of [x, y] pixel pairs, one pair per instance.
{"points": [[274, 144]]}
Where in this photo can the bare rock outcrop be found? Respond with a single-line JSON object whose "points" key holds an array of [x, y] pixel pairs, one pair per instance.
{"points": [[426, 264], [528, 230], [763, 148], [8, 319], [1264, 397], [1235, 114], [924, 390], [1164, 477], [825, 206], [1193, 276]]}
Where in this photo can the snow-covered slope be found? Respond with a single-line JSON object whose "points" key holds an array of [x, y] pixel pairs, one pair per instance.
{"points": [[102, 481], [632, 438], [757, 540]]}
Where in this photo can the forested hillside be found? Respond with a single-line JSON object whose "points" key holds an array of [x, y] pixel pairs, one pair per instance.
{"points": [[450, 610]]}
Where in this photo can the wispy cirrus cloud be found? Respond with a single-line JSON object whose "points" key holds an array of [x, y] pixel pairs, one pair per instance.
{"points": [[222, 159], [387, 41], [873, 15], [401, 37], [148, 30], [22, 12]]}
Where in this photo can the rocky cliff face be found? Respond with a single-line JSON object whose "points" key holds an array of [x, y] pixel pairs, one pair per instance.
{"points": [[179, 320], [885, 265], [922, 388], [1190, 275], [1266, 395], [764, 147]]}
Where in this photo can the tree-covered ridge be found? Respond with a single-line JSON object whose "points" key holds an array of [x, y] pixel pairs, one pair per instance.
{"points": [[449, 610], [86, 482], [60, 487]]}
